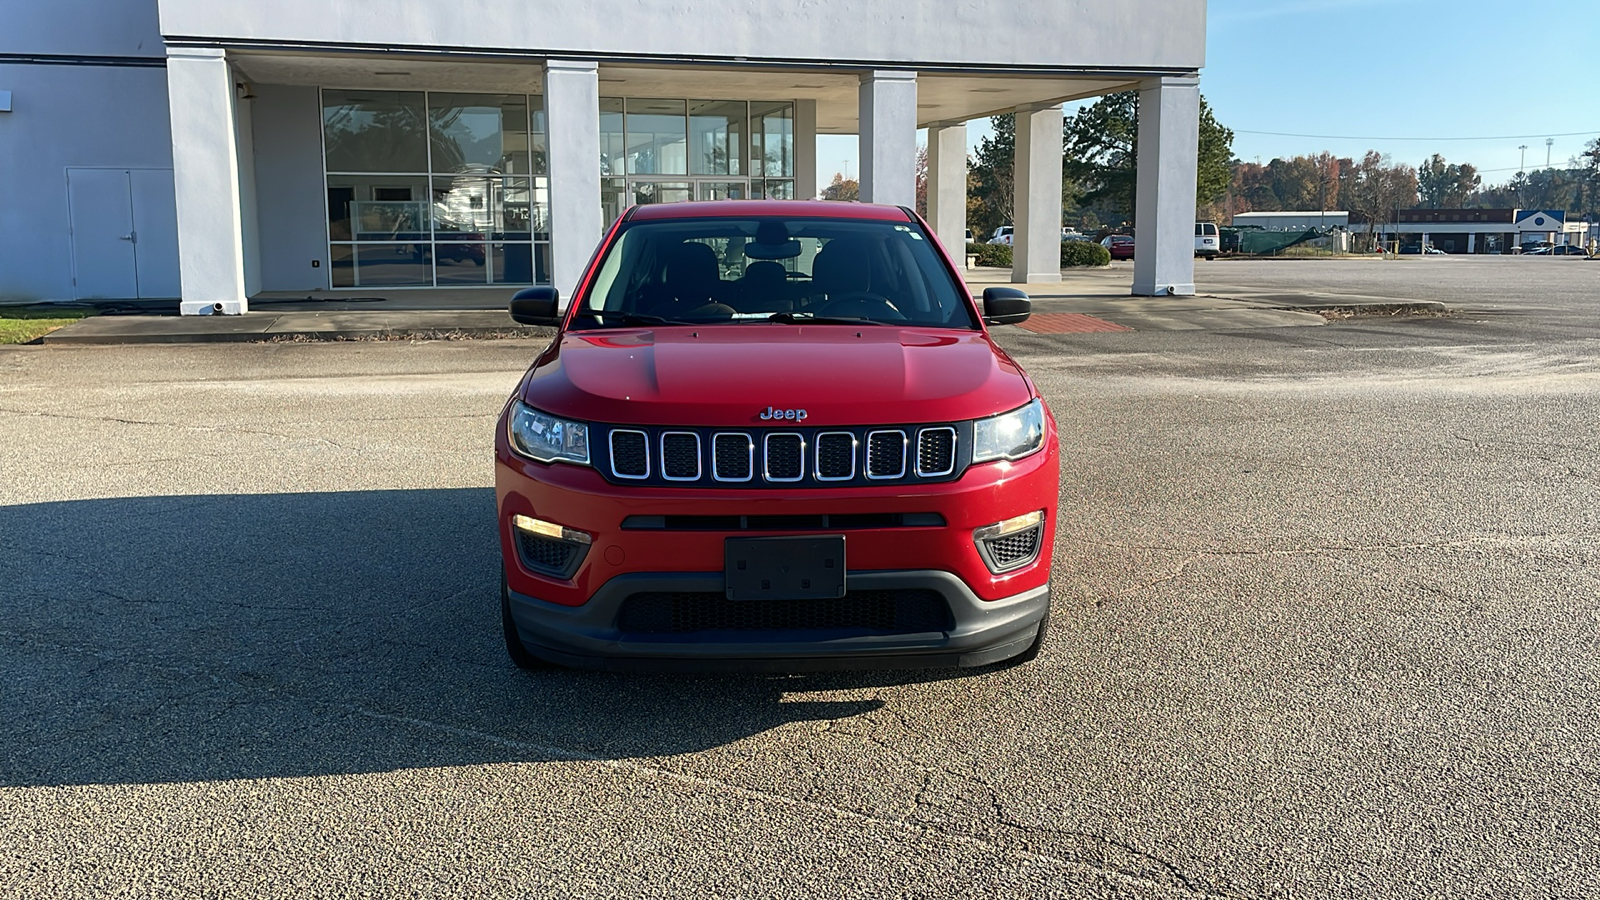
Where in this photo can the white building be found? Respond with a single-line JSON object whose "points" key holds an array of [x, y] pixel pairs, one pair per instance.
{"points": [[1477, 230], [230, 149], [1294, 220]]}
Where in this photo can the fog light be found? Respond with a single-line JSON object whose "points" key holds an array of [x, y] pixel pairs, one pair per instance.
{"points": [[530, 525], [550, 549], [1010, 544]]}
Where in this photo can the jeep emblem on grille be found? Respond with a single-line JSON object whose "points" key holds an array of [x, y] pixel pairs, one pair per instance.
{"points": [[792, 415]]}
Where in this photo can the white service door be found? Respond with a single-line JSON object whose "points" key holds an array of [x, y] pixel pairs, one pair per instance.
{"points": [[103, 258], [155, 226]]}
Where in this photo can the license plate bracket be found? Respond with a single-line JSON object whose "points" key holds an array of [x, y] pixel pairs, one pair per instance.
{"points": [[804, 567]]}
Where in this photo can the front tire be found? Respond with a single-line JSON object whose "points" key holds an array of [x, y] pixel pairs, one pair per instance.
{"points": [[518, 651]]}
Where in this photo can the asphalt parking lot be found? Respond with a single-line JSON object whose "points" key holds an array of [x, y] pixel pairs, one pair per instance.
{"points": [[1326, 626]]}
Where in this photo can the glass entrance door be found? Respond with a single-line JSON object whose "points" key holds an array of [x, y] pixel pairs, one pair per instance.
{"points": [[651, 191], [722, 190], [678, 190]]}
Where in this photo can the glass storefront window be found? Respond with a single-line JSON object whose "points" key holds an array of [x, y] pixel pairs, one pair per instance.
{"points": [[716, 137], [657, 136], [537, 147], [468, 207], [398, 265], [374, 131], [460, 263], [612, 148], [483, 133], [772, 139], [378, 208]]}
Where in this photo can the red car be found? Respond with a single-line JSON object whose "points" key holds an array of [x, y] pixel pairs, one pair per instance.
{"points": [[1120, 245], [774, 435]]}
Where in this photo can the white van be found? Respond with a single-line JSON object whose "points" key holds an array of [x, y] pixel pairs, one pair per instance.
{"points": [[1205, 240]]}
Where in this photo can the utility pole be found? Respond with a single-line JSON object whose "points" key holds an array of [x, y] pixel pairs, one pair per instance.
{"points": [[1523, 165]]}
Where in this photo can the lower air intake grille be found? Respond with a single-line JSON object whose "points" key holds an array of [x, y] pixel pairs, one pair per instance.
{"points": [[909, 611], [630, 454], [1013, 550], [549, 556]]}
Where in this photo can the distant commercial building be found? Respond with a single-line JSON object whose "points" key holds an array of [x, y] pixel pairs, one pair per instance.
{"points": [[1293, 220], [215, 151], [1475, 230]]}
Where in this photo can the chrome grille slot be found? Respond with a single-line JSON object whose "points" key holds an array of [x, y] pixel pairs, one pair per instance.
{"points": [[732, 456], [836, 456], [630, 453], [784, 456], [680, 456], [936, 451], [886, 454]]}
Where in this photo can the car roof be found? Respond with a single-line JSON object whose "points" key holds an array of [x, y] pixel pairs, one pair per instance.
{"points": [[745, 208]]}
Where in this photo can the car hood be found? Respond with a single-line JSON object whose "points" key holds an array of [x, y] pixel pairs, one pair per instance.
{"points": [[729, 375]]}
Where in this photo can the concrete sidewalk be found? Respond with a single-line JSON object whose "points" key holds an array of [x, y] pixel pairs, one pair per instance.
{"points": [[1088, 296]]}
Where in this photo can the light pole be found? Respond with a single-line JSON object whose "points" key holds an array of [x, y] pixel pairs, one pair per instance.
{"points": [[1547, 144], [1523, 165]]}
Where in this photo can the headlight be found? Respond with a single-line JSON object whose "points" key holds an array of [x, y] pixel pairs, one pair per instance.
{"points": [[1011, 435], [546, 438]]}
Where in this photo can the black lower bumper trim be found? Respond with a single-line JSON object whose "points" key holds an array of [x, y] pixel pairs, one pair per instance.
{"points": [[975, 632]]}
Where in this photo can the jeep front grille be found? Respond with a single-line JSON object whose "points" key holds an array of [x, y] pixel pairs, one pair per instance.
{"points": [[785, 456], [680, 456], [836, 456], [630, 453], [936, 451], [792, 457], [734, 456], [886, 454]]}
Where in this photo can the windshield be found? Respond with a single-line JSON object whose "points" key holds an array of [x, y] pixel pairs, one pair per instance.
{"points": [[773, 269]]}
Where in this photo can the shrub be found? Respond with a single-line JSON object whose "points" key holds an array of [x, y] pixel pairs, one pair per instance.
{"points": [[995, 255], [1083, 253]]}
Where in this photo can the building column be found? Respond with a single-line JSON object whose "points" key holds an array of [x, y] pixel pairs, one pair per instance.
{"points": [[205, 171], [888, 124], [805, 149], [572, 111], [947, 187], [1036, 197], [1169, 151], [1472, 242]]}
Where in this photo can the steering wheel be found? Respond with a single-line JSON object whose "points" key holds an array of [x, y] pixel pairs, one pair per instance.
{"points": [[864, 304]]}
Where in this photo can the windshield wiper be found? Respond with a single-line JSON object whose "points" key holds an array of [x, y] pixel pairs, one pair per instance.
{"points": [[804, 318]]}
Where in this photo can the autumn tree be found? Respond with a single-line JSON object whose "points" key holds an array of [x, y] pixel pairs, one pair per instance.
{"points": [[1377, 188], [842, 188]]}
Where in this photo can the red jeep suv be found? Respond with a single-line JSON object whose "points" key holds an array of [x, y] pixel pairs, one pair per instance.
{"points": [[774, 436]]}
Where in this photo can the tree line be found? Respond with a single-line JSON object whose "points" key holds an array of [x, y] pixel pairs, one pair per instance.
{"points": [[1099, 177]]}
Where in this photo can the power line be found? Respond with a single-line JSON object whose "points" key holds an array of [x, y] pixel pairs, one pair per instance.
{"points": [[1358, 137]]}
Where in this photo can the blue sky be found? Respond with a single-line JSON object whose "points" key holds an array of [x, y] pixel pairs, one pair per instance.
{"points": [[1397, 76]]}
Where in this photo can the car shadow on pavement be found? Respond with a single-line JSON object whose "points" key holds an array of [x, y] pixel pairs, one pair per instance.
{"points": [[156, 639]]}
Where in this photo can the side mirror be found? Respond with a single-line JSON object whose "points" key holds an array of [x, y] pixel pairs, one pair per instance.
{"points": [[536, 306], [1005, 306]]}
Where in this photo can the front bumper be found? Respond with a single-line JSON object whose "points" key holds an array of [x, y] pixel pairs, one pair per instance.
{"points": [[588, 636]]}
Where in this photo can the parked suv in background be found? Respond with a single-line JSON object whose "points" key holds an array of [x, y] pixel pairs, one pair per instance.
{"points": [[774, 435]]}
